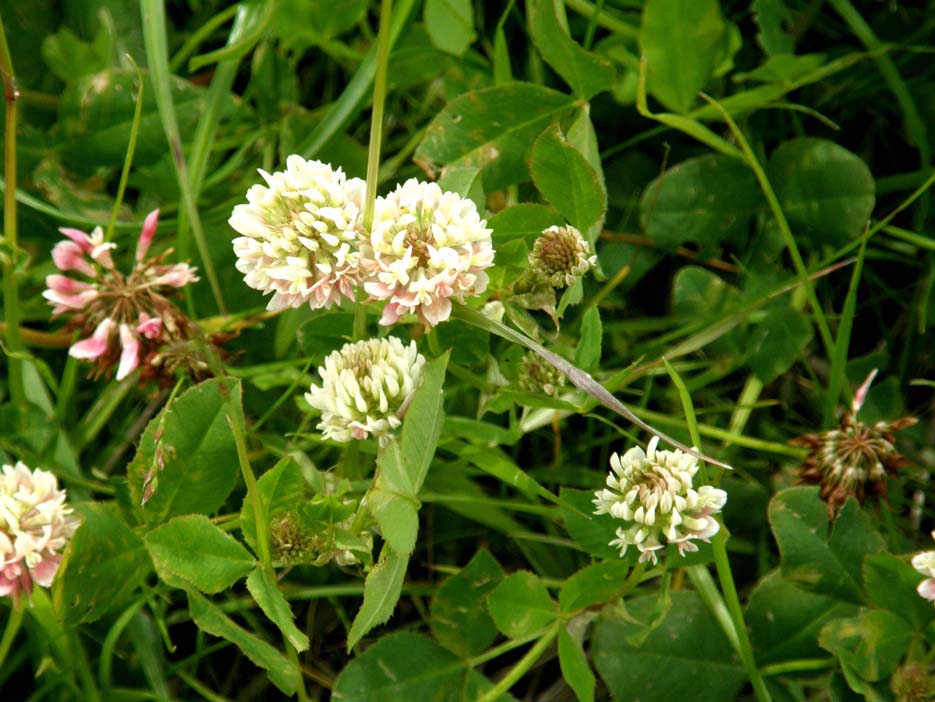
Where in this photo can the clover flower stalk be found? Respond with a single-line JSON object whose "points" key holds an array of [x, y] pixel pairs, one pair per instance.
{"points": [[426, 247], [299, 235], [366, 388], [123, 319], [652, 493], [35, 526]]}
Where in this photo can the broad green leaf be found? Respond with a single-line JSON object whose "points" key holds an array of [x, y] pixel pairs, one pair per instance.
{"points": [[396, 513], [210, 619], [281, 487], [464, 180], [683, 42], [826, 191], [191, 466], [564, 176], [423, 424], [198, 552], [829, 564], [403, 464], [891, 584], [265, 591], [450, 24], [772, 17], [460, 622], [69, 57], [594, 584], [591, 532], [687, 656], [588, 351], [777, 341], [525, 221], [104, 563], [492, 129], [574, 666], [520, 605], [588, 74], [382, 589], [872, 643], [785, 620], [405, 666], [707, 200], [309, 22]]}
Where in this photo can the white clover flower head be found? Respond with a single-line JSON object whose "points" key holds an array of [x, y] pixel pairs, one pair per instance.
{"points": [[123, 318], [35, 526], [652, 492], [925, 563], [560, 256], [366, 388], [299, 235], [426, 246]]}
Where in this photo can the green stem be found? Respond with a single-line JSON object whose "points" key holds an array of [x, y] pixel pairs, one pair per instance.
{"points": [[798, 666], [783, 224], [523, 665], [11, 307], [9, 633], [724, 574], [131, 148], [603, 18], [259, 507], [154, 35], [83, 668], [376, 117], [741, 637]]}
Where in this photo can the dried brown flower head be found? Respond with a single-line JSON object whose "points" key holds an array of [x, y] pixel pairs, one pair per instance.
{"points": [[853, 459]]}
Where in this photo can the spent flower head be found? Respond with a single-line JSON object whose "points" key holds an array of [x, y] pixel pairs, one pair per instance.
{"points": [[366, 388], [652, 493], [426, 246], [560, 256], [299, 235], [854, 458], [35, 526], [123, 319]]}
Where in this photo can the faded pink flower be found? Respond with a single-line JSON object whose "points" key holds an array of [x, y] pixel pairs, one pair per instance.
{"points": [[426, 247], [125, 318], [299, 235], [35, 525]]}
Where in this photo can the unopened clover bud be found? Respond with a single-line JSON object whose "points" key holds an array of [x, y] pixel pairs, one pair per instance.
{"points": [[560, 256]]}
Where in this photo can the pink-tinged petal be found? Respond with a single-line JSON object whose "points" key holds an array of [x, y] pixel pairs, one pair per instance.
{"points": [[927, 589], [101, 254], [130, 355], [391, 313], [68, 256], [61, 302], [89, 349], [44, 571], [177, 276], [150, 327], [860, 395], [65, 285], [437, 311], [79, 237], [147, 234]]}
